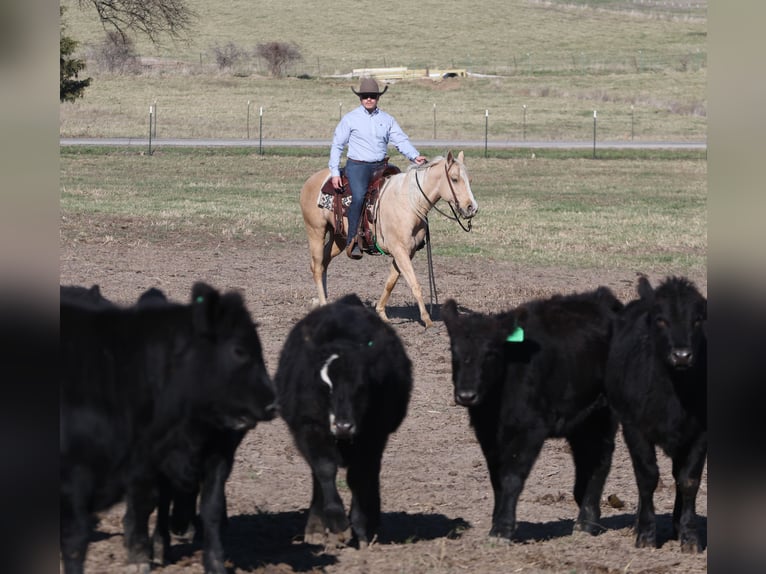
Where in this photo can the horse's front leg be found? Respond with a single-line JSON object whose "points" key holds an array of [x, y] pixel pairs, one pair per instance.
{"points": [[403, 265]]}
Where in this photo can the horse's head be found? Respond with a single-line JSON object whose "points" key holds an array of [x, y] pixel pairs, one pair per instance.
{"points": [[458, 190]]}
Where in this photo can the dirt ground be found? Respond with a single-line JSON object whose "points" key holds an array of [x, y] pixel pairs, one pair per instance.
{"points": [[436, 494]]}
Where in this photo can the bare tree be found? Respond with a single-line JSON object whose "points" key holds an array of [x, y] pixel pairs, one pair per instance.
{"points": [[154, 18], [228, 55], [278, 55], [116, 53]]}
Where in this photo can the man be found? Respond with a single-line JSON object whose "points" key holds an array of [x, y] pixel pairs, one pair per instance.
{"points": [[367, 130]]}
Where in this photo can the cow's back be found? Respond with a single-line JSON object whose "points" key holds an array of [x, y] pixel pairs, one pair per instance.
{"points": [[563, 378]]}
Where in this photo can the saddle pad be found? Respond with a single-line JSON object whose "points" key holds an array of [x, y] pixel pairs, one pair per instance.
{"points": [[325, 201]]}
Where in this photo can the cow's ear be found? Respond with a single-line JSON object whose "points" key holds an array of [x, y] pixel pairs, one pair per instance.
{"points": [[351, 299], [449, 311], [204, 305], [607, 297], [644, 288], [521, 315]]}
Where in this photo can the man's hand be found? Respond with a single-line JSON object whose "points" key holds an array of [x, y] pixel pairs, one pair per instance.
{"points": [[336, 181], [420, 160]]}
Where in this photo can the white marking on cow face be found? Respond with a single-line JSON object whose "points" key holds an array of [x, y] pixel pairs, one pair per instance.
{"points": [[325, 376], [323, 372], [333, 429]]}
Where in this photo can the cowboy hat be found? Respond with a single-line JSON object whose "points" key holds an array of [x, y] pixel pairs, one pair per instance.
{"points": [[369, 86]]}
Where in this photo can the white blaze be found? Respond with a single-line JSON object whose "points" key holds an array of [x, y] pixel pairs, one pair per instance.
{"points": [[323, 372]]}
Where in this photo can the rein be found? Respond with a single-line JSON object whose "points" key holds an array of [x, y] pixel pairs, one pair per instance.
{"points": [[455, 216]]}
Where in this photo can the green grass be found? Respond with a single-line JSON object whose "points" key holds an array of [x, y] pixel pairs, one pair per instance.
{"points": [[642, 67], [635, 210]]}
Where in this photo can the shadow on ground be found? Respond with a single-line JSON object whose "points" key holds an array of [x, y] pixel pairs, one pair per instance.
{"points": [[255, 540]]}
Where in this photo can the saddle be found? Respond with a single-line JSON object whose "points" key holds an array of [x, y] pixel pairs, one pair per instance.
{"points": [[339, 201]]}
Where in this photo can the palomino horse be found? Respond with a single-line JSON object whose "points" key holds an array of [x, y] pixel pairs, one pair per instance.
{"points": [[399, 225]]}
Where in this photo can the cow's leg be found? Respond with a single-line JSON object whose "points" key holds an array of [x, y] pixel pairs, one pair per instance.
{"points": [[183, 516], [326, 510], [687, 472], [315, 529], [486, 434], [75, 523], [364, 482], [212, 510], [141, 500], [333, 513], [592, 446], [519, 451], [161, 537], [644, 459]]}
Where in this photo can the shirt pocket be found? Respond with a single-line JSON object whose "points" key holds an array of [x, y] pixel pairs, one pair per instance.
{"points": [[381, 133]]}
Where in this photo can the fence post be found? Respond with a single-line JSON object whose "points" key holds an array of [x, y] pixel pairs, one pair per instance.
{"points": [[594, 134], [486, 130], [260, 131], [151, 113], [524, 124], [434, 121], [248, 119]]}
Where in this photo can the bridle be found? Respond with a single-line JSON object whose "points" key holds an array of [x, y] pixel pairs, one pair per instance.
{"points": [[455, 216]]}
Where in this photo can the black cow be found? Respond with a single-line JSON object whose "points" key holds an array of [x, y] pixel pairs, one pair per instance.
{"points": [[343, 383], [657, 383], [148, 394], [534, 372]]}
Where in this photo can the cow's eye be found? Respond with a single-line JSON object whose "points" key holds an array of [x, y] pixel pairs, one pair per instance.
{"points": [[661, 322], [240, 353]]}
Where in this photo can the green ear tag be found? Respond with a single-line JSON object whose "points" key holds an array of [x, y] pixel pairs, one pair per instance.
{"points": [[369, 343], [199, 299], [517, 336]]}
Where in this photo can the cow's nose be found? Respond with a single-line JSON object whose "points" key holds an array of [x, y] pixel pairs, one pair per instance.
{"points": [[681, 357], [466, 398], [344, 429]]}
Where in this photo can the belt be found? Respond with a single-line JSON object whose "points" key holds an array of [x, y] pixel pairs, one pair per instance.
{"points": [[370, 162]]}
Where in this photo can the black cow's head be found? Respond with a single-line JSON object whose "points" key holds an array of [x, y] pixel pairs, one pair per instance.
{"points": [[676, 315], [225, 362], [481, 346], [342, 339], [342, 372]]}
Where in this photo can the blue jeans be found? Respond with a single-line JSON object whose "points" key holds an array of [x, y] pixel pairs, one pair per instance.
{"points": [[359, 175]]}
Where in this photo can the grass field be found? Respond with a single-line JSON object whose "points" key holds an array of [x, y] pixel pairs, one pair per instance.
{"points": [[628, 210], [539, 70]]}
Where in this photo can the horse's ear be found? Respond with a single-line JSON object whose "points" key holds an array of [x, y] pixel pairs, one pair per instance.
{"points": [[460, 156], [450, 159]]}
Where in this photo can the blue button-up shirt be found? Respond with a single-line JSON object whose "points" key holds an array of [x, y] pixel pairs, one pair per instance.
{"points": [[368, 135]]}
